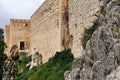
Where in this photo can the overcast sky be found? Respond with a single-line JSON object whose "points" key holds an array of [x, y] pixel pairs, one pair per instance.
{"points": [[17, 9]]}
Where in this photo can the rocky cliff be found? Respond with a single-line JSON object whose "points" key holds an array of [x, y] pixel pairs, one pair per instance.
{"points": [[101, 57]]}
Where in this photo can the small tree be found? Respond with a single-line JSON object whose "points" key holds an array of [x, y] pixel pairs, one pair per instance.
{"points": [[2, 55]]}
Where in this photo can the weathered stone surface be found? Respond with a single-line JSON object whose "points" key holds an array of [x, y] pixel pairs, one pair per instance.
{"points": [[101, 57], [18, 31], [56, 25], [36, 59], [48, 27], [10, 66], [115, 75], [9, 69], [7, 39], [81, 16]]}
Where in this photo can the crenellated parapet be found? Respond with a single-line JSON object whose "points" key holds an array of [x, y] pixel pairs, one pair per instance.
{"points": [[7, 26], [17, 33], [20, 22]]}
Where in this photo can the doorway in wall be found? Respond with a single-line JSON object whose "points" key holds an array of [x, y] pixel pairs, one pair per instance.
{"points": [[22, 45]]}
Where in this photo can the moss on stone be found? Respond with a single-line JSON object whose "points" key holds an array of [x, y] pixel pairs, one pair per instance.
{"points": [[88, 33], [117, 29], [103, 11]]}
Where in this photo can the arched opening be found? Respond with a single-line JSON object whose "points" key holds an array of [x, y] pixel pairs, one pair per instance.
{"points": [[22, 45]]}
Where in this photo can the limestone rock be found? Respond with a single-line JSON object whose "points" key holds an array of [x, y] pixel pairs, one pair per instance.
{"points": [[36, 59], [115, 75], [8, 71], [101, 56]]}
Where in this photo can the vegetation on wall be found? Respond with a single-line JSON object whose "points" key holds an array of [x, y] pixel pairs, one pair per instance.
{"points": [[103, 11], [2, 55], [20, 59], [88, 33], [52, 70], [23, 60], [117, 29]]}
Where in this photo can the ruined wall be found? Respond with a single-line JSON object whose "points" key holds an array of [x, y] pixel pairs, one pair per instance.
{"points": [[81, 16], [19, 30], [46, 29]]}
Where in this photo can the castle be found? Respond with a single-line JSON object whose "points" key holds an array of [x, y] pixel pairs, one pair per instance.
{"points": [[55, 26]]}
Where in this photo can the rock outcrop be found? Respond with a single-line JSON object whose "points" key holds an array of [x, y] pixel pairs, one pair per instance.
{"points": [[10, 66], [36, 59], [115, 75], [9, 69], [101, 57]]}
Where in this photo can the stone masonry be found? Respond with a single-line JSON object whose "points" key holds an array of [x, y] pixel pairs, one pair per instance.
{"points": [[45, 36], [46, 25], [55, 26], [81, 16], [7, 38], [18, 31]]}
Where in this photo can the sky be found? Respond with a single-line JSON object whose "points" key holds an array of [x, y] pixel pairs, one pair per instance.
{"points": [[17, 9]]}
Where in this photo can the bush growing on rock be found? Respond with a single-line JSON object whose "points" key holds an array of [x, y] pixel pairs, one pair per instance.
{"points": [[52, 70], [88, 33]]}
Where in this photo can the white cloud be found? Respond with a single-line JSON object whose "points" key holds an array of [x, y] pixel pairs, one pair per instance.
{"points": [[20, 9]]}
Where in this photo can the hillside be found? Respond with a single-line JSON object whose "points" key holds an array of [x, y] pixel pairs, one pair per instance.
{"points": [[52, 70]]}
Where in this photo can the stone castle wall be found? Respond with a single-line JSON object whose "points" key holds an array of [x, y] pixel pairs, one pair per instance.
{"points": [[81, 16], [7, 38], [46, 29], [18, 31], [56, 25]]}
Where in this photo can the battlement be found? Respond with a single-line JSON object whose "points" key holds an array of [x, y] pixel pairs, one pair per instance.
{"points": [[20, 22], [7, 26]]}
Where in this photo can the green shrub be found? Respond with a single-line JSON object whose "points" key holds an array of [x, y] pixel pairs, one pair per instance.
{"points": [[62, 57], [3, 57], [103, 11], [21, 64], [23, 57], [52, 70], [88, 33]]}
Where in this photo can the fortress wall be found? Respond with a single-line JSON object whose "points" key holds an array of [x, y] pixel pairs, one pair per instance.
{"points": [[20, 31], [81, 16], [55, 26], [65, 37], [7, 38], [46, 29]]}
